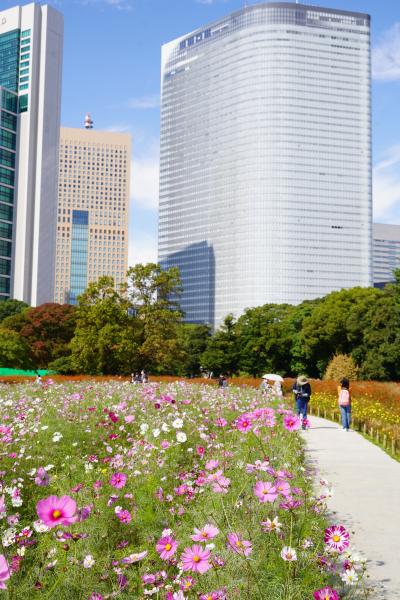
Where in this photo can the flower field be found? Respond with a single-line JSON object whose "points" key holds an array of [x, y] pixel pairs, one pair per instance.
{"points": [[166, 491], [375, 409]]}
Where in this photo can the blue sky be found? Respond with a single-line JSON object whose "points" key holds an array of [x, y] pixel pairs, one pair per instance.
{"points": [[112, 70]]}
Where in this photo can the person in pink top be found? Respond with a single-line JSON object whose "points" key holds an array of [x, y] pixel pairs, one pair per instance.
{"points": [[344, 400]]}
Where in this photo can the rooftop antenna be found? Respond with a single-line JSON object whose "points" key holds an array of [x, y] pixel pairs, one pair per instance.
{"points": [[88, 121]]}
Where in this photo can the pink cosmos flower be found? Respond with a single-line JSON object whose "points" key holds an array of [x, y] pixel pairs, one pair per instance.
{"points": [[326, 593], [123, 515], [212, 464], [207, 533], [4, 572], [54, 511], [292, 422], [166, 547], [196, 559], [3, 509], [265, 491], [337, 538], [239, 545], [243, 423], [42, 477], [221, 422], [118, 480], [282, 487], [187, 583], [216, 595]]}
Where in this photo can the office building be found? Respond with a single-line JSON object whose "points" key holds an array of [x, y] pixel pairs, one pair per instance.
{"points": [[386, 253], [265, 166], [31, 41], [93, 204]]}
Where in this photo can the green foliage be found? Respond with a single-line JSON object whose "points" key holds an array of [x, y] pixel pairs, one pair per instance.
{"points": [[14, 351], [105, 335], [264, 339], [194, 340], [222, 352], [11, 307], [63, 366], [154, 293], [341, 365]]}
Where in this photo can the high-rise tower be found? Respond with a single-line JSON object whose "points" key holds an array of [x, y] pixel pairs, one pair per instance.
{"points": [[93, 207], [31, 40], [265, 173]]}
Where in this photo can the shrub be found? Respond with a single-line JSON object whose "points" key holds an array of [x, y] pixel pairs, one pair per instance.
{"points": [[341, 365]]}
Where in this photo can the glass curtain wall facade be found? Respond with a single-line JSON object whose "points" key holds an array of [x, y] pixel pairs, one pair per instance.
{"points": [[386, 253], [79, 254], [8, 136], [265, 166], [31, 39]]}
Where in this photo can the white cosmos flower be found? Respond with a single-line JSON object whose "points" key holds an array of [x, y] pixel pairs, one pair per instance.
{"points": [[181, 437], [164, 428], [350, 577], [288, 554], [156, 432], [88, 561], [143, 428], [177, 424]]}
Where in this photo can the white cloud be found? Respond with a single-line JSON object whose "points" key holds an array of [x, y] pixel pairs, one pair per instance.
{"points": [[145, 102], [386, 55], [142, 248], [118, 4], [386, 188], [208, 2], [145, 172]]}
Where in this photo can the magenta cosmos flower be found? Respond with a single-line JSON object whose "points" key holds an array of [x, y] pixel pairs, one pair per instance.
{"points": [[243, 423], [118, 480], [196, 559], [326, 593], [4, 572], [54, 511], [239, 545], [207, 533], [42, 477], [265, 491], [166, 547], [292, 422], [337, 538]]}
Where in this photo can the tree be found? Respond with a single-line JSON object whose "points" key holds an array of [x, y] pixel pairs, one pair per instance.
{"points": [[154, 294], [14, 351], [194, 340], [221, 354], [47, 329], [264, 339], [336, 325], [11, 307], [105, 334]]}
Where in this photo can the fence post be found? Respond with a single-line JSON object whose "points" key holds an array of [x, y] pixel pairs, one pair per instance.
{"points": [[384, 441], [318, 411], [364, 428], [324, 413], [371, 432]]}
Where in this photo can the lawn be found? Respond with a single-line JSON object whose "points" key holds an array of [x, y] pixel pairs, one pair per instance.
{"points": [[169, 491]]}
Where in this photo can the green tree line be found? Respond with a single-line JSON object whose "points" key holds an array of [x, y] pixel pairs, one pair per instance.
{"points": [[141, 326]]}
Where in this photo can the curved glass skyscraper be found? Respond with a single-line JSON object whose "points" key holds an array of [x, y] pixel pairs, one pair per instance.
{"points": [[265, 174]]}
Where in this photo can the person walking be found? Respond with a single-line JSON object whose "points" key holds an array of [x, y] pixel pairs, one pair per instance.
{"points": [[302, 394], [344, 400]]}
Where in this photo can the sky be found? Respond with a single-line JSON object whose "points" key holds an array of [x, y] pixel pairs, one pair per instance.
{"points": [[111, 68]]}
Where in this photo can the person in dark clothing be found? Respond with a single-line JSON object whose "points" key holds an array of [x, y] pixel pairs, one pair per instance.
{"points": [[302, 394]]}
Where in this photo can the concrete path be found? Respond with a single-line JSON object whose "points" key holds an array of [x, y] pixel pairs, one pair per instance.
{"points": [[366, 498]]}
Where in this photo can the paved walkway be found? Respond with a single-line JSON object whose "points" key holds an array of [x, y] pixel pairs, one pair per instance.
{"points": [[366, 498]]}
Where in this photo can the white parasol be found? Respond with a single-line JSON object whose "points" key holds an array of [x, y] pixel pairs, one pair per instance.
{"points": [[273, 377]]}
